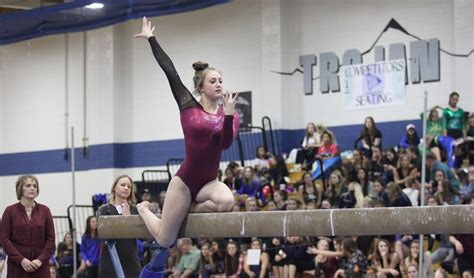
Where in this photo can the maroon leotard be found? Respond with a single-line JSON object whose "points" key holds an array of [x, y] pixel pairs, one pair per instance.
{"points": [[205, 134]]}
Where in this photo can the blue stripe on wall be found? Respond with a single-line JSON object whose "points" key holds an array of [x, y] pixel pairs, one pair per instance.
{"points": [[157, 153]]}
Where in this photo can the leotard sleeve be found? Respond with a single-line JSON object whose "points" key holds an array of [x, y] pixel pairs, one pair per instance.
{"points": [[181, 94]]}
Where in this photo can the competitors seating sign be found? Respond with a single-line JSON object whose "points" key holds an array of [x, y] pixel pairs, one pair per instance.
{"points": [[373, 85]]}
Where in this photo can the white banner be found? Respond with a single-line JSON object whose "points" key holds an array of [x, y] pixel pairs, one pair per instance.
{"points": [[373, 85]]}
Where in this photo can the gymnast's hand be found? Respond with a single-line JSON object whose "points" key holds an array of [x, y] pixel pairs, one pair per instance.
{"points": [[229, 102], [147, 29]]}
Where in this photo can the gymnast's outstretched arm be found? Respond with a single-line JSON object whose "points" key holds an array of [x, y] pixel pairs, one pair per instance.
{"points": [[181, 94]]}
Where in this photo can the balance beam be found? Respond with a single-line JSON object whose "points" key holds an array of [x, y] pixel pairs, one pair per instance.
{"points": [[334, 222]]}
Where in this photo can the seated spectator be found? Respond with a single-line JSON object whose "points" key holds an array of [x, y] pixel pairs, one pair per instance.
{"points": [[65, 256], [188, 264], [376, 168], [446, 194], [326, 204], [412, 271], [271, 205], [308, 191], [358, 160], [262, 159], [396, 196], [334, 188], [233, 260], [276, 245], [385, 261], [295, 257], [470, 138], [146, 196], [413, 258], [410, 138], [389, 161], [404, 171], [328, 148], [231, 181], [217, 249], [207, 263], [464, 247], [278, 171], [325, 265], [412, 191], [366, 185], [348, 199], [353, 263], [260, 270], [251, 204], [371, 136], [433, 165], [250, 187], [309, 145], [467, 189], [280, 197], [380, 193], [293, 204]]}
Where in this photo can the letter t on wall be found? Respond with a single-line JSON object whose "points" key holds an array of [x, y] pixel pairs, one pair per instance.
{"points": [[307, 62]]}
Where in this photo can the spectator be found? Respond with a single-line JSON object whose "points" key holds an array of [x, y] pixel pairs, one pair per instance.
{"points": [[326, 204], [376, 168], [410, 138], [251, 204], [446, 194], [412, 191], [385, 261], [404, 171], [413, 258], [328, 148], [188, 264], [366, 185], [207, 264], [396, 196], [146, 196], [310, 144], [308, 191], [292, 204], [271, 205], [217, 247], [233, 260], [327, 265], [467, 189], [455, 119], [335, 188], [277, 266], [280, 197], [358, 160], [231, 181], [412, 271], [371, 136], [380, 192], [433, 165], [250, 187], [262, 159], [464, 246], [90, 248], [260, 270], [353, 263], [349, 199], [435, 126]]}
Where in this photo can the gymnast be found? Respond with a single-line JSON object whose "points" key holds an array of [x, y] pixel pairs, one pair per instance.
{"points": [[209, 126]]}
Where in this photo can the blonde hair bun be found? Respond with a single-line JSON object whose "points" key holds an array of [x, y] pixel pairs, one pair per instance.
{"points": [[200, 66]]}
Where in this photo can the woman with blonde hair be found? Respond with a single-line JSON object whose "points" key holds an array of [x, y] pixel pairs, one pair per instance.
{"points": [[121, 202]]}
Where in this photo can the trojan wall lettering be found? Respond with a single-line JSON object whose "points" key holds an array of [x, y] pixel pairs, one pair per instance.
{"points": [[423, 64]]}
